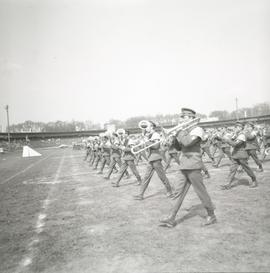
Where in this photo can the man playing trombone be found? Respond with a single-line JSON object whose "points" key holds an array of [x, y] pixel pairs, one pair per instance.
{"points": [[190, 138], [154, 162]]}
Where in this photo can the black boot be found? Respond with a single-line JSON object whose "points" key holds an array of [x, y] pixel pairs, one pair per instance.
{"points": [[168, 222], [211, 218], [253, 184], [138, 197]]}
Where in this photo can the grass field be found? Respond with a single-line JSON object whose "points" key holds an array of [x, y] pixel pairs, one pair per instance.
{"points": [[58, 215]]}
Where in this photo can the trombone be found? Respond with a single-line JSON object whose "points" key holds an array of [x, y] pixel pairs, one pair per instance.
{"points": [[184, 126]]}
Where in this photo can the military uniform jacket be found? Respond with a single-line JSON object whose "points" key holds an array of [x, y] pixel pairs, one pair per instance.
{"points": [[115, 150], [222, 143], [106, 148], [239, 147], [96, 148], [128, 155], [205, 142], [252, 142], [191, 157], [154, 152], [266, 136], [172, 149]]}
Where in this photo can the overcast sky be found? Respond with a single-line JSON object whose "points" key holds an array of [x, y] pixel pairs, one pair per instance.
{"points": [[102, 59]]}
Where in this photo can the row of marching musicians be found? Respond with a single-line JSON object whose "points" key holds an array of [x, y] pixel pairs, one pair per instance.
{"points": [[257, 141], [123, 150]]}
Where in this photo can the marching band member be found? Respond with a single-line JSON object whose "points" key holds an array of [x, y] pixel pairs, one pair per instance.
{"points": [[173, 150], [88, 149], [115, 155], [154, 163], [106, 152], [223, 147], [94, 151], [128, 158], [91, 144], [214, 142], [239, 157], [142, 155], [98, 153], [205, 146], [190, 166], [266, 141], [252, 144]]}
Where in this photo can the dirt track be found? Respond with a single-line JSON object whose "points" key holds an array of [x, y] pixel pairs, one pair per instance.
{"points": [[60, 216]]}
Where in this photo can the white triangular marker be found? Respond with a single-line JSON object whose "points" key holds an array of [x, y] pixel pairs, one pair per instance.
{"points": [[27, 152]]}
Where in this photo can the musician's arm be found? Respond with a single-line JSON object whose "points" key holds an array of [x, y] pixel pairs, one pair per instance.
{"points": [[234, 143], [187, 140], [176, 144]]}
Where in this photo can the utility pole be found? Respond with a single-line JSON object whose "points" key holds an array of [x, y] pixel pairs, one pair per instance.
{"points": [[236, 106], [8, 129]]}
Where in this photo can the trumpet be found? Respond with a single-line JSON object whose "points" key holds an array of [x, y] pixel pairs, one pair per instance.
{"points": [[184, 126]]}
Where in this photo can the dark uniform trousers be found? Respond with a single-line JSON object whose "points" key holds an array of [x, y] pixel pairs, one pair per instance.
{"points": [[98, 158], [172, 156], [194, 178], [214, 149], [244, 163], [222, 151], [254, 155], [151, 167], [207, 151], [105, 160], [93, 158], [140, 156], [204, 169], [163, 155], [123, 170], [87, 154], [114, 161]]}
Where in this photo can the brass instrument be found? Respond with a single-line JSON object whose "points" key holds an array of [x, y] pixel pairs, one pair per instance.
{"points": [[184, 126], [120, 132], [144, 124]]}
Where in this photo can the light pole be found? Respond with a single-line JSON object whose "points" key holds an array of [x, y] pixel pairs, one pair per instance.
{"points": [[8, 129]]}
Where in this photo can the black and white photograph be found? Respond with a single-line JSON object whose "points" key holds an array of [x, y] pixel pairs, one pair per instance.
{"points": [[134, 136]]}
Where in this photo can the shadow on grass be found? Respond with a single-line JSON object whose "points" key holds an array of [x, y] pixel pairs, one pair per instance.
{"points": [[240, 182], [154, 194], [196, 210], [128, 184]]}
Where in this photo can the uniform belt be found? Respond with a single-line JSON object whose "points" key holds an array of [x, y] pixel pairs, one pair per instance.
{"points": [[191, 153]]}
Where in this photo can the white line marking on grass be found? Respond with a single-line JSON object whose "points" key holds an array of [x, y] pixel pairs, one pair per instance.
{"points": [[24, 170], [42, 180], [39, 226]]}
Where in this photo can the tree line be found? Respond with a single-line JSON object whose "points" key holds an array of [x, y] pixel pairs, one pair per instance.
{"points": [[166, 119]]}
